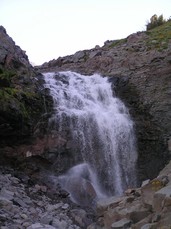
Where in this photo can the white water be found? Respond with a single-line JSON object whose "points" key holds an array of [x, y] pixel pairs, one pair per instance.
{"points": [[101, 129], [82, 183]]}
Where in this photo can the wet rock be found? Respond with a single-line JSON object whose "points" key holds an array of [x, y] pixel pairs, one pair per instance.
{"points": [[81, 190]]}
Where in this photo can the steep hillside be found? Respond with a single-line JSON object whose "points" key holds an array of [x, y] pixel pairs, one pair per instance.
{"points": [[21, 97]]}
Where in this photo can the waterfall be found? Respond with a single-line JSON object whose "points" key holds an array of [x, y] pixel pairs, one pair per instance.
{"points": [[101, 130]]}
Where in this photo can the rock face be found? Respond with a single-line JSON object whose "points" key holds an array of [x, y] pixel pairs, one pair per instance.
{"points": [[139, 67], [23, 102]]}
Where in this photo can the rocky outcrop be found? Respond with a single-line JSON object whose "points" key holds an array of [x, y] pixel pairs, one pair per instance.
{"points": [[139, 67], [25, 105], [23, 101], [145, 207]]}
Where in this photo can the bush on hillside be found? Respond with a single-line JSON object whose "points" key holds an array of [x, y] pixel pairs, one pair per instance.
{"points": [[155, 21]]}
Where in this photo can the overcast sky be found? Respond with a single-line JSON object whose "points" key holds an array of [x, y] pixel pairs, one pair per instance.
{"points": [[47, 29]]}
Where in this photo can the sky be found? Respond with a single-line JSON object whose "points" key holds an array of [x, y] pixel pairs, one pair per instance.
{"points": [[48, 29]]}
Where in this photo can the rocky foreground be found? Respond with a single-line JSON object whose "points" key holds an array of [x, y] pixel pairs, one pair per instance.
{"points": [[29, 204], [148, 207], [25, 203]]}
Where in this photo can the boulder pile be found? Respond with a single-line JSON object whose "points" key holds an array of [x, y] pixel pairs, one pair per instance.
{"points": [[148, 207], [25, 204]]}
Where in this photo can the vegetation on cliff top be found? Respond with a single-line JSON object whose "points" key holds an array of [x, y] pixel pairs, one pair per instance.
{"points": [[155, 21], [158, 31], [118, 42], [159, 36]]}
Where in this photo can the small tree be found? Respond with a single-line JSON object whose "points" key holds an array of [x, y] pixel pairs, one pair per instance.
{"points": [[155, 21]]}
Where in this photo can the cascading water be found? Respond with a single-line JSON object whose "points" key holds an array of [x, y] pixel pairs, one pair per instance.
{"points": [[101, 130]]}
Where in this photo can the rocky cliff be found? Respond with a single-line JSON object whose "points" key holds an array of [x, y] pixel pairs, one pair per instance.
{"points": [[22, 100], [140, 68]]}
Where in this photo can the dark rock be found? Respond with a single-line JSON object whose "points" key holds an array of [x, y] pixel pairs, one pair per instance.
{"points": [[22, 99], [81, 190]]}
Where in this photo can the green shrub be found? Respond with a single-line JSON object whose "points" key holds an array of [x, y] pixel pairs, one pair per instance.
{"points": [[159, 37], [118, 42], [155, 21]]}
